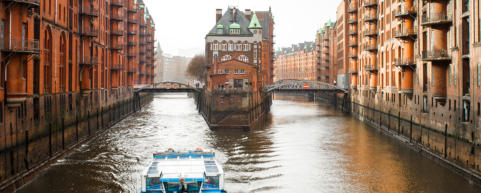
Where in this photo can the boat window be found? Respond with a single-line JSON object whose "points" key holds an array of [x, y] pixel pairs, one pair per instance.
{"points": [[172, 188], [153, 183], [193, 187], [211, 182]]}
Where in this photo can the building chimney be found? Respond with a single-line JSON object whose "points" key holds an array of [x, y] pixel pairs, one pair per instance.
{"points": [[218, 15], [248, 14]]}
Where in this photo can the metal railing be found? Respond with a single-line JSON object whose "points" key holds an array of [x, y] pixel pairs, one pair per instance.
{"points": [[87, 30], [119, 3], [302, 84], [370, 3], [403, 11], [88, 61], [405, 32], [438, 54], [89, 10], [370, 67], [117, 15], [22, 45], [134, 8], [440, 18], [352, 7], [370, 17], [117, 32], [406, 61], [370, 32], [370, 47], [30, 2]]}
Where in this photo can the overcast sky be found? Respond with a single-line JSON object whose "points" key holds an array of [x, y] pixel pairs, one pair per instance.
{"points": [[181, 25]]}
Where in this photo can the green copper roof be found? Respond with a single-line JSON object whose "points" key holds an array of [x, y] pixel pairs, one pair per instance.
{"points": [[254, 22], [220, 26], [234, 26]]}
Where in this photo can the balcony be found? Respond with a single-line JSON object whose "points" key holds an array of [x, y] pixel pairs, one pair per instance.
{"points": [[370, 32], [436, 55], [370, 68], [405, 62], [23, 46], [117, 46], [117, 3], [133, 8], [370, 47], [370, 18], [132, 70], [116, 67], [117, 16], [353, 32], [133, 21], [352, 20], [89, 10], [325, 38], [35, 3], [131, 55], [117, 32], [405, 33], [404, 12], [352, 70], [145, 33], [88, 61], [89, 31], [131, 43], [352, 55], [370, 3], [352, 7], [352, 44], [131, 33], [434, 20]]}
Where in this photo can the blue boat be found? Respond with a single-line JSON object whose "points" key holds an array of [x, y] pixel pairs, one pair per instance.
{"points": [[183, 172]]}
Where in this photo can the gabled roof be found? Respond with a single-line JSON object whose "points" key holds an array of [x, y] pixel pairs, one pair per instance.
{"points": [[254, 23], [228, 18]]}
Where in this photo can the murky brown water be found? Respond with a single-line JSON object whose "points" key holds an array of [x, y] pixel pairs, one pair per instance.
{"points": [[307, 147]]}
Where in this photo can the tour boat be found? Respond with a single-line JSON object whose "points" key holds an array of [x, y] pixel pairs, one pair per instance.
{"points": [[178, 172]]}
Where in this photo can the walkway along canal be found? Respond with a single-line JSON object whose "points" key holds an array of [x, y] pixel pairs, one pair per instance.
{"points": [[304, 147]]}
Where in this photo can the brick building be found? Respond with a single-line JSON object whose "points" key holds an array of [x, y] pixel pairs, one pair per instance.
{"points": [[327, 53], [414, 68], [296, 62], [64, 60], [239, 54], [244, 38]]}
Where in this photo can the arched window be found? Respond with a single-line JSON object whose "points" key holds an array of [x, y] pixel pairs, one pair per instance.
{"points": [[226, 58], [243, 58]]}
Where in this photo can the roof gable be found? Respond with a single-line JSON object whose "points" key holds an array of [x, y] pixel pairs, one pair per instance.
{"points": [[227, 20]]}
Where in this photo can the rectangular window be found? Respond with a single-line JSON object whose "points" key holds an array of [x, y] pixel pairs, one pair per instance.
{"points": [[242, 71], [226, 71], [477, 74], [449, 75], [219, 71], [2, 34], [236, 71]]}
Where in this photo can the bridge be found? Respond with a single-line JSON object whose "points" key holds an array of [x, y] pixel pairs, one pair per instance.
{"points": [[293, 85], [167, 86]]}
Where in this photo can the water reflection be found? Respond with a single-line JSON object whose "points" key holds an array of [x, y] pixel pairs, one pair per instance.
{"points": [[304, 147]]}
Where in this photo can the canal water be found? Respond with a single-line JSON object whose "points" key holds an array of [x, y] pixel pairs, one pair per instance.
{"points": [[304, 147]]}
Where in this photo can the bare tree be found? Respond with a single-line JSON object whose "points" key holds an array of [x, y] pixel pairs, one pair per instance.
{"points": [[197, 67]]}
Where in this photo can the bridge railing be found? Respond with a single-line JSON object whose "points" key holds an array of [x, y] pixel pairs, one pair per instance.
{"points": [[302, 85]]}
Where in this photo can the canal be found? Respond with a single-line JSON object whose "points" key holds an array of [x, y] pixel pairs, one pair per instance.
{"points": [[304, 147]]}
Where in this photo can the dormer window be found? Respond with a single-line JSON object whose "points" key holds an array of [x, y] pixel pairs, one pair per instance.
{"points": [[234, 31]]}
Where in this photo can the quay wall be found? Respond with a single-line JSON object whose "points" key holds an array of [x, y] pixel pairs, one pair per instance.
{"points": [[47, 127], [233, 109]]}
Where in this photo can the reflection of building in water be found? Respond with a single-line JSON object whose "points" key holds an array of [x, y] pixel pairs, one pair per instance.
{"points": [[175, 68], [159, 64]]}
